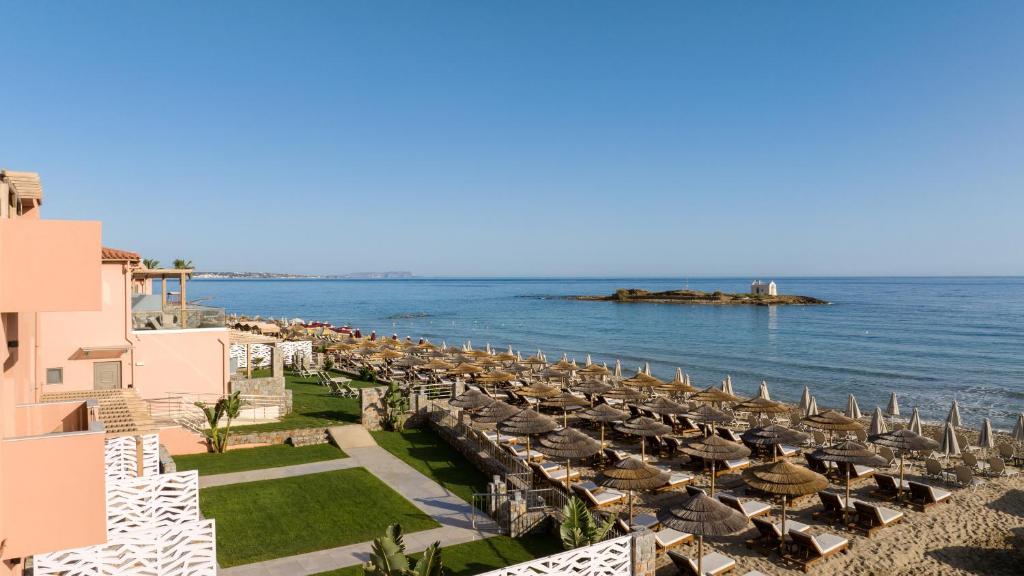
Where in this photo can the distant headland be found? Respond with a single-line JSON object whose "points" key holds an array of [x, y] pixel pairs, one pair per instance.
{"points": [[278, 276], [761, 294]]}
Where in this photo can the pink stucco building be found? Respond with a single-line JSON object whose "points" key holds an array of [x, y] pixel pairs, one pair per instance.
{"points": [[69, 347]]}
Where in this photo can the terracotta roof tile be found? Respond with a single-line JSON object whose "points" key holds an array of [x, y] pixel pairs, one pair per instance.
{"points": [[115, 255]]}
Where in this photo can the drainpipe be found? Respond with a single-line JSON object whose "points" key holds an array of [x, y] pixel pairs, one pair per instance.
{"points": [[35, 360], [223, 366]]}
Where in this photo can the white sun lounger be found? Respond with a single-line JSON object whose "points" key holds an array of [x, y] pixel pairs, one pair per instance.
{"points": [[749, 508], [712, 564], [596, 495]]}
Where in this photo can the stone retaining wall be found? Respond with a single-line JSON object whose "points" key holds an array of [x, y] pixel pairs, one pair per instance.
{"points": [[269, 386], [297, 437]]}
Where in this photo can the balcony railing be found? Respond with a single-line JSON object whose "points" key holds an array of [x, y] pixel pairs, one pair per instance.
{"points": [[176, 317]]}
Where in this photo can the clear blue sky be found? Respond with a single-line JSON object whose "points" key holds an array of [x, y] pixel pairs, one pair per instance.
{"points": [[529, 138]]}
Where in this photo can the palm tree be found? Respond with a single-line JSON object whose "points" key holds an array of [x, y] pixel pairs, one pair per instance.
{"points": [[579, 527], [182, 264], [151, 263], [387, 557]]}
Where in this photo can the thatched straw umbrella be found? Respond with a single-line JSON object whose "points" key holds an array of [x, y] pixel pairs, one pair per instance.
{"points": [[773, 435], [702, 515], [604, 414], [709, 415], [785, 479], [760, 405], [565, 401], [762, 390], [525, 423], [893, 409], [662, 405], [902, 441], [712, 395], [812, 407], [466, 368], [644, 427], [849, 453], [631, 474], [471, 400], [592, 387], [716, 449], [832, 421], [642, 380], [389, 354], [617, 373], [679, 385], [852, 409], [569, 444], [915, 421], [623, 393], [595, 370], [437, 364], [494, 412], [538, 391]]}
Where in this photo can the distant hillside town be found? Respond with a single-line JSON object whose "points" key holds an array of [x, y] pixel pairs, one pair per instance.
{"points": [[277, 276]]}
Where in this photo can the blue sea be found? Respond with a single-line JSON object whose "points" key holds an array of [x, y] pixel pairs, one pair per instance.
{"points": [[929, 339]]}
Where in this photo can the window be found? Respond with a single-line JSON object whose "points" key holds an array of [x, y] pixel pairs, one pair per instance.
{"points": [[54, 375]]}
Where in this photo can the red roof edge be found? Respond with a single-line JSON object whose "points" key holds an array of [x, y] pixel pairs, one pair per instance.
{"points": [[115, 255]]}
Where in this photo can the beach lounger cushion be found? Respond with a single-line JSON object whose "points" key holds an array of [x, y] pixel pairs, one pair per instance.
{"points": [[749, 508], [712, 564], [597, 495], [667, 538]]}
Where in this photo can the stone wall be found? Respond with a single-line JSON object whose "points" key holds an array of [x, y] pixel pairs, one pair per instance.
{"points": [[644, 553], [371, 409], [270, 386], [297, 437]]}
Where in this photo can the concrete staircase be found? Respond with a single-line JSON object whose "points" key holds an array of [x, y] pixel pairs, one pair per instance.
{"points": [[121, 410]]}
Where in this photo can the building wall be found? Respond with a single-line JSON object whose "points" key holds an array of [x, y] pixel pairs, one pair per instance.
{"points": [[63, 334], [192, 361], [53, 493]]}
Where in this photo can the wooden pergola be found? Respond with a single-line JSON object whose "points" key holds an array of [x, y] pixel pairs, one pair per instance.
{"points": [[163, 274], [248, 339]]}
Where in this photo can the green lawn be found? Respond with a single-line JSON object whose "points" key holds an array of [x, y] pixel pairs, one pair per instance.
{"points": [[483, 555], [425, 451], [256, 458], [275, 518], [312, 407]]}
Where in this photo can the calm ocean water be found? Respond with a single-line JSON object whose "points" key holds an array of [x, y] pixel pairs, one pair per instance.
{"points": [[929, 339]]}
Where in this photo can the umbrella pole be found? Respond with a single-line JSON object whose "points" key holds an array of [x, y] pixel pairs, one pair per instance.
{"points": [[602, 439], [899, 489], [713, 462], [643, 449], [700, 554], [782, 541], [568, 475], [631, 509], [847, 503]]}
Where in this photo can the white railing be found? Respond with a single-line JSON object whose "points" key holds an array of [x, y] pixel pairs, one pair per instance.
{"points": [[153, 522], [608, 558], [437, 391], [188, 549], [121, 456], [149, 502], [180, 407]]}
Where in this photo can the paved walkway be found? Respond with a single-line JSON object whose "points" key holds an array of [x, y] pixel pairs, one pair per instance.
{"points": [[276, 473], [454, 515]]}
